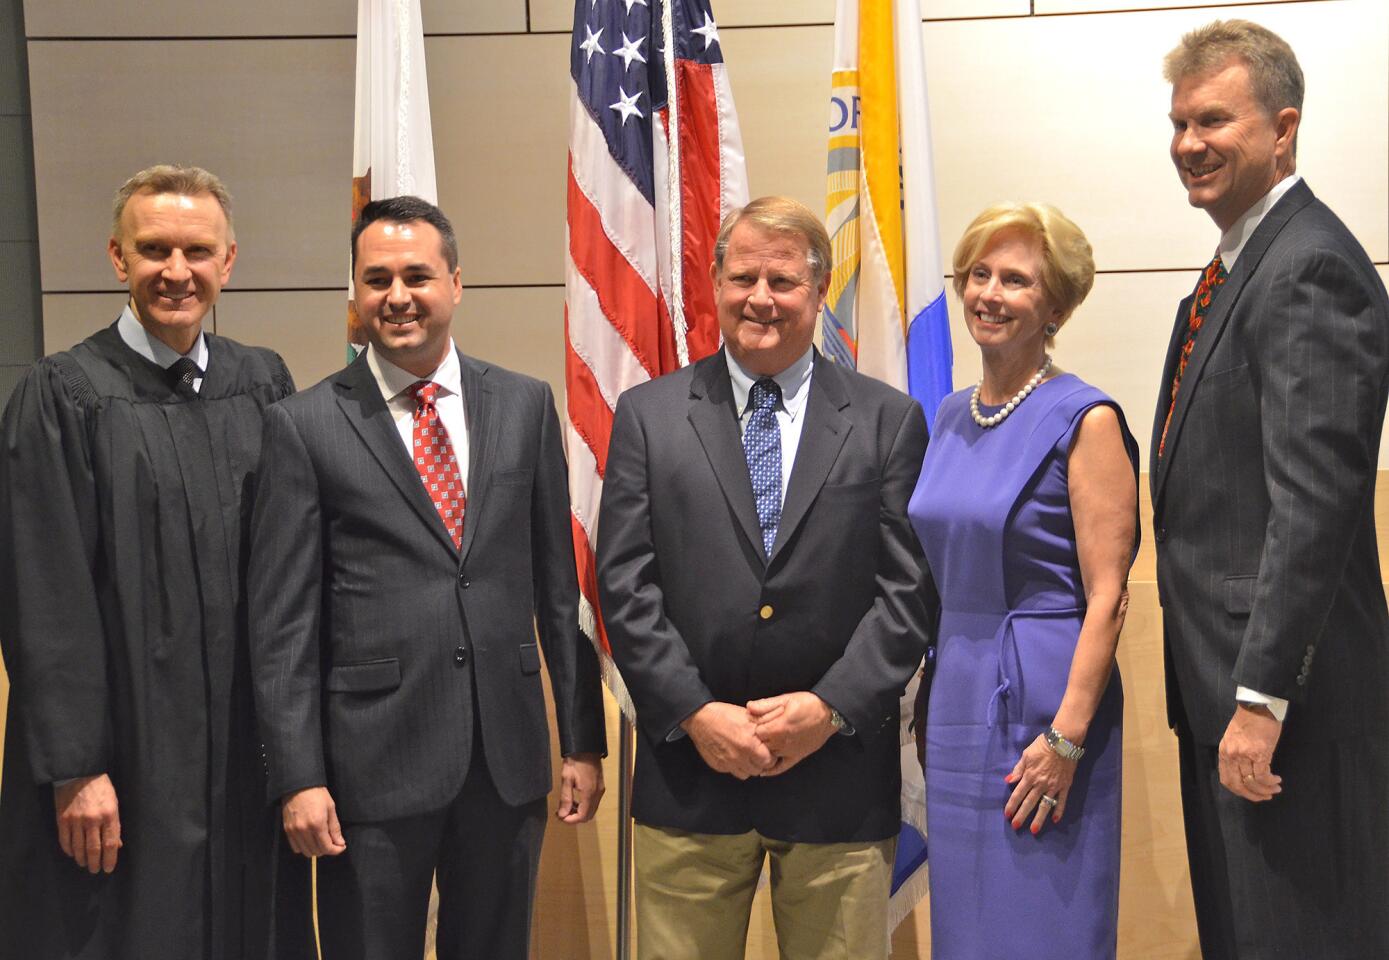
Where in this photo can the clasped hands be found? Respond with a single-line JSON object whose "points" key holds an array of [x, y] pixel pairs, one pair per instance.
{"points": [[762, 739]]}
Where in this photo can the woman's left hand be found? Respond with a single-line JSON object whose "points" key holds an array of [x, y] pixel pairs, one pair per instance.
{"points": [[1039, 773]]}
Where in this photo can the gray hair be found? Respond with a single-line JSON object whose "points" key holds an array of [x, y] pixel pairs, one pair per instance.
{"points": [[173, 178]]}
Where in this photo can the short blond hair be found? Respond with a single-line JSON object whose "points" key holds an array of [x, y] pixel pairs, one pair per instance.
{"points": [[1275, 78], [173, 178], [1068, 263], [781, 215]]}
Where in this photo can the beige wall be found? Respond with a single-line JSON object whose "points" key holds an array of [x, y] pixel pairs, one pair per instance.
{"points": [[1059, 100]]}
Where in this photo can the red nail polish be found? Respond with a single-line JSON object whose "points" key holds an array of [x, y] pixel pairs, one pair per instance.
{"points": [[1035, 828]]}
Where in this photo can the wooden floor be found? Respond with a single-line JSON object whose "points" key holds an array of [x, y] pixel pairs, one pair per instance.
{"points": [[576, 903]]}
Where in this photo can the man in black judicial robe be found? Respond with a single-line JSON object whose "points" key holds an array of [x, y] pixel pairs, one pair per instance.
{"points": [[132, 818]]}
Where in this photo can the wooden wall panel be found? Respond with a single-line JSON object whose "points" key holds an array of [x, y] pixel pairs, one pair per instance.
{"points": [[1073, 110], [251, 18], [559, 14], [272, 118]]}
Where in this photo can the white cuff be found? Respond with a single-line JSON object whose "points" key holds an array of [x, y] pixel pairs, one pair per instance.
{"points": [[1276, 705]]}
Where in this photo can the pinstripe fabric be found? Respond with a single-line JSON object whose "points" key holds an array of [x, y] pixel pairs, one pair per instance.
{"points": [[368, 624], [1268, 569]]}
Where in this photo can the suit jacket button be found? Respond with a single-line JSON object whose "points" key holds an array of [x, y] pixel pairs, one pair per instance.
{"points": [[460, 656], [766, 612], [464, 581], [1302, 679], [1160, 534]]}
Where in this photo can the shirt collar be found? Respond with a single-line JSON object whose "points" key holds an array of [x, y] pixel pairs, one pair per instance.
{"points": [[393, 381], [1232, 241], [794, 381], [153, 349]]}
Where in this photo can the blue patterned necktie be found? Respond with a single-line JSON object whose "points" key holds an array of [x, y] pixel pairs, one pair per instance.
{"points": [[762, 447]]}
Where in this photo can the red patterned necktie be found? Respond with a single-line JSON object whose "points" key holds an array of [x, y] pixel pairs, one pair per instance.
{"points": [[1211, 278], [434, 459]]}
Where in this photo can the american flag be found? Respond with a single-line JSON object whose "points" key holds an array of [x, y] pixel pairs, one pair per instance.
{"points": [[650, 178]]}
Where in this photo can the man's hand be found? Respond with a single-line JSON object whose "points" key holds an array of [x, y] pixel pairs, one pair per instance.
{"points": [[89, 822], [580, 787], [311, 823], [726, 738], [793, 726], [1246, 751]]}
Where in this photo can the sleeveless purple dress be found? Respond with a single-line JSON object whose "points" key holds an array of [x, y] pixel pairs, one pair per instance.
{"points": [[993, 513]]}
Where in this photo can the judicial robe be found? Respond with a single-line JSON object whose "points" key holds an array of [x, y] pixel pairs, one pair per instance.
{"points": [[124, 510]]}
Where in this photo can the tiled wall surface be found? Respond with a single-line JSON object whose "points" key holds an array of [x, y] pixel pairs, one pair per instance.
{"points": [[1058, 100], [1053, 100], [21, 322]]}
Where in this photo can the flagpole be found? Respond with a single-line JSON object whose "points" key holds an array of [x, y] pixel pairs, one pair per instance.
{"points": [[626, 737]]}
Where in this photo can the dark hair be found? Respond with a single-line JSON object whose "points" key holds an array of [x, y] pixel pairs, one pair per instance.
{"points": [[407, 210]]}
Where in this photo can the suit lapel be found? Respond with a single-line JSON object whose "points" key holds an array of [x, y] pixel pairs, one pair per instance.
{"points": [[715, 422], [1164, 401], [822, 437], [484, 421], [365, 409], [1214, 324]]}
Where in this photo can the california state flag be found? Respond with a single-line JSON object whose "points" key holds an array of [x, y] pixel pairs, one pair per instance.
{"points": [[393, 143]]}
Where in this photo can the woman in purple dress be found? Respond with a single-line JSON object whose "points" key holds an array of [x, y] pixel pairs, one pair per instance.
{"points": [[1027, 510]]}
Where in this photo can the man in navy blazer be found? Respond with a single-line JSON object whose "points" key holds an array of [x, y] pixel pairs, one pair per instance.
{"points": [[1264, 455], [410, 536], [767, 601]]}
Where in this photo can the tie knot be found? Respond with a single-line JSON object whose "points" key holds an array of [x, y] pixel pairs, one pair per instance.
{"points": [[766, 392], [1215, 271], [184, 371], [424, 392]]}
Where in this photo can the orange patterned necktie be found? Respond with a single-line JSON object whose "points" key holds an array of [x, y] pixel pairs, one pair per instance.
{"points": [[1211, 278], [435, 461]]}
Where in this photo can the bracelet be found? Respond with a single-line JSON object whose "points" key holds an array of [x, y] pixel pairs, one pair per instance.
{"points": [[1062, 747]]}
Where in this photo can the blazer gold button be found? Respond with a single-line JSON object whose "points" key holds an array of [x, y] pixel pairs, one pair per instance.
{"points": [[766, 612]]}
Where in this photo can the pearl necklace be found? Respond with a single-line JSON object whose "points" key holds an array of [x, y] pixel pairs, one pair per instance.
{"points": [[1012, 404]]}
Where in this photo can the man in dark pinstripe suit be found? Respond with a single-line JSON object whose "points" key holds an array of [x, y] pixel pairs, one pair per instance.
{"points": [[394, 619], [1264, 454]]}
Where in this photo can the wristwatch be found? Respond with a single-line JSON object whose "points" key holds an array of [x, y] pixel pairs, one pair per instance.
{"points": [[1062, 747]]}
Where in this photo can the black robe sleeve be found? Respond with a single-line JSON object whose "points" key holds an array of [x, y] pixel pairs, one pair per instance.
{"points": [[51, 627]]}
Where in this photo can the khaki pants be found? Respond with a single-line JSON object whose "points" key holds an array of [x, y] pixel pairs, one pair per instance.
{"points": [[694, 895]]}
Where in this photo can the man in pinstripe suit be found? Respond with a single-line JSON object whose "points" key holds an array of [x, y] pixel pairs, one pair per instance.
{"points": [[1264, 454], [395, 598]]}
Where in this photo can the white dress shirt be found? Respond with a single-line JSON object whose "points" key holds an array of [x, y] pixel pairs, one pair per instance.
{"points": [[395, 385], [790, 412], [156, 351], [1232, 243]]}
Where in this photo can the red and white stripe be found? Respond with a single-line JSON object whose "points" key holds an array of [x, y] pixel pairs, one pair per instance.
{"points": [[626, 263]]}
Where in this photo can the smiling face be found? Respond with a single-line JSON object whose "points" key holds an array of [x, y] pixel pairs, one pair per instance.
{"points": [[174, 253], [1006, 306], [405, 293], [767, 298], [1228, 150]]}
